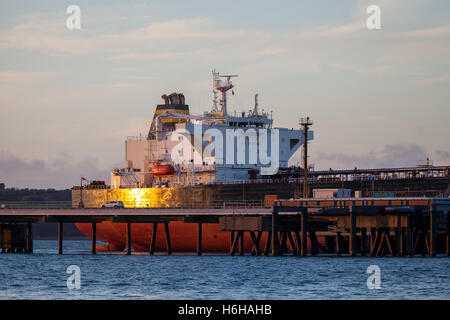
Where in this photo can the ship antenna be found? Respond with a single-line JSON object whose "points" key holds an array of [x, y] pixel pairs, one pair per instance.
{"points": [[222, 85], [255, 110], [214, 108]]}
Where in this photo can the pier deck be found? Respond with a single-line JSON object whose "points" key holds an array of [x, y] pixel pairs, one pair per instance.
{"points": [[350, 226]]}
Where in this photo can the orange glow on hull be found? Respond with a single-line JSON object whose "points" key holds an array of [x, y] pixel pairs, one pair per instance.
{"points": [[183, 237]]}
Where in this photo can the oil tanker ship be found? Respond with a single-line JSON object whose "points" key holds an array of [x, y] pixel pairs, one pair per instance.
{"points": [[212, 160]]}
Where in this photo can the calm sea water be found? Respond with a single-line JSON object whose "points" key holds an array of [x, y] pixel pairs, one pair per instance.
{"points": [[42, 275]]}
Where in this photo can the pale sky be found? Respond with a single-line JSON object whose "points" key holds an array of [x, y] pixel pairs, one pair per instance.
{"points": [[69, 98]]}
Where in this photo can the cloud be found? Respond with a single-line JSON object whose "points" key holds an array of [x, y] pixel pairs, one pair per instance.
{"points": [[442, 155], [161, 55], [343, 30], [51, 37], [434, 80], [392, 155], [204, 37], [61, 173], [19, 77], [329, 72], [431, 33]]}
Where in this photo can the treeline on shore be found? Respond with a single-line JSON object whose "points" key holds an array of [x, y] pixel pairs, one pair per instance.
{"points": [[43, 230], [26, 194]]}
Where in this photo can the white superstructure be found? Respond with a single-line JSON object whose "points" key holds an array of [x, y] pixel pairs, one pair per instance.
{"points": [[217, 147]]}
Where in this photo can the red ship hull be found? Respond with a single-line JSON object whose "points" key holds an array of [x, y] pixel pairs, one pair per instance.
{"points": [[183, 237]]}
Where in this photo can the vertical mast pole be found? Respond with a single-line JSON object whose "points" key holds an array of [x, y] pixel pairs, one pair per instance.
{"points": [[305, 123]]}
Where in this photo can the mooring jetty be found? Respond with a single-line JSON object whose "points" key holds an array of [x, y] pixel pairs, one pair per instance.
{"points": [[350, 226]]}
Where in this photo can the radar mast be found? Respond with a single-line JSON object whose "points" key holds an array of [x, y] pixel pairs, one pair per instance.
{"points": [[222, 85]]}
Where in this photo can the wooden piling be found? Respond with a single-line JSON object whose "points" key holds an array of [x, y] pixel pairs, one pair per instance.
{"points": [[241, 243], [399, 237], [153, 239], [363, 242], [235, 243], [29, 248], [352, 242], [389, 242], [448, 234], [255, 241], [283, 245], [313, 241], [433, 218], [297, 240], [293, 244], [60, 237], [414, 234], [128, 237], [338, 244], [258, 240], [268, 242], [330, 244], [275, 242], [231, 239], [373, 240], [303, 232], [414, 241], [199, 239], [380, 249], [168, 244], [94, 238]]}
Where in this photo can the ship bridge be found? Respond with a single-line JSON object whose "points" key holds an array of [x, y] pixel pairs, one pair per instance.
{"points": [[217, 146]]}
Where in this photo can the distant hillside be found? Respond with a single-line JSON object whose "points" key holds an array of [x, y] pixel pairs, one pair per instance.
{"points": [[43, 230], [14, 194]]}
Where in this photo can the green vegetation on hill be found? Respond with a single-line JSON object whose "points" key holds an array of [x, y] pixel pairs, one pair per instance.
{"points": [[41, 230], [15, 194]]}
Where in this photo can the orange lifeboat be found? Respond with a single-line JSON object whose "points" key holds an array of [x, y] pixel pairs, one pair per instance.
{"points": [[161, 170]]}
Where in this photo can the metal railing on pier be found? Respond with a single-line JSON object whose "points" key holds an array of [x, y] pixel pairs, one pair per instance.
{"points": [[35, 204], [238, 204]]}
